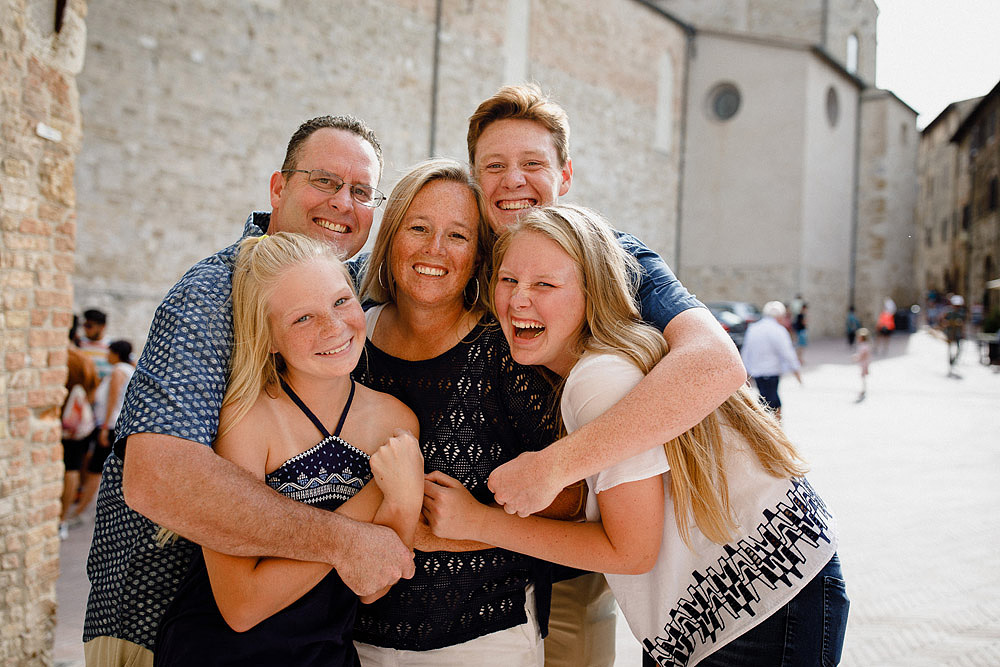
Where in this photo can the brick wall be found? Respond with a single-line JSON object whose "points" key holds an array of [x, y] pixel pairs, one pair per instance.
{"points": [[39, 138]]}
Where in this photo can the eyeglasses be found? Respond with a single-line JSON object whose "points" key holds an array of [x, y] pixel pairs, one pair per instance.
{"points": [[330, 183]]}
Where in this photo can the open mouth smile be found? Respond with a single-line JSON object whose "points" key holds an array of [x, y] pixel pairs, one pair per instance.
{"points": [[425, 270], [332, 226], [516, 204], [527, 329]]}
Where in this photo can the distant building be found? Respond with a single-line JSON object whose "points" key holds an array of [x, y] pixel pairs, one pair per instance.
{"points": [[938, 210], [976, 248]]}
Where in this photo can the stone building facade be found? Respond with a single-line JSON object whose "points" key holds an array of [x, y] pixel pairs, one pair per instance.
{"points": [[768, 199], [977, 243], [938, 215], [844, 29], [886, 238], [40, 135]]}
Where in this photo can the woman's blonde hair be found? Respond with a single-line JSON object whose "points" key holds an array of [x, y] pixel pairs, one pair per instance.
{"points": [[612, 323], [261, 261], [379, 284]]}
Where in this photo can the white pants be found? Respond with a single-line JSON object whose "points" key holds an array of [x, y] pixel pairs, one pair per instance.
{"points": [[520, 646]]}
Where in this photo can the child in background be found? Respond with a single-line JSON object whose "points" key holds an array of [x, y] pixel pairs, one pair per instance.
{"points": [[863, 356]]}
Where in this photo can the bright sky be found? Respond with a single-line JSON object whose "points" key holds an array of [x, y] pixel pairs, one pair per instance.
{"points": [[935, 52]]}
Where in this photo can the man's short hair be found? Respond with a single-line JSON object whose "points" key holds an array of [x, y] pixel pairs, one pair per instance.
{"points": [[521, 102], [346, 123], [95, 316]]}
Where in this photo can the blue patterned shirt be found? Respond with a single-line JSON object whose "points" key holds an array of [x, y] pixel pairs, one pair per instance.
{"points": [[177, 390]]}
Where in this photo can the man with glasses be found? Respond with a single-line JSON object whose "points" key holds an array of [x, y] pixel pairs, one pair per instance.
{"points": [[170, 476], [518, 144]]}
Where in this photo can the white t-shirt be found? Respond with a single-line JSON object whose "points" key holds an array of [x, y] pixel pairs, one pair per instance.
{"points": [[697, 599], [101, 395]]}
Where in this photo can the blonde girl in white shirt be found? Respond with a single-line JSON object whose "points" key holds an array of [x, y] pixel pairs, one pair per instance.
{"points": [[715, 545]]}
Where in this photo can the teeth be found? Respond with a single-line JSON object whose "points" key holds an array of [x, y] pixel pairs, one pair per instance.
{"points": [[515, 205], [527, 329], [333, 227], [339, 349], [429, 271]]}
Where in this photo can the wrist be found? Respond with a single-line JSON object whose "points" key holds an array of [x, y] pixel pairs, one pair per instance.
{"points": [[401, 506], [555, 466]]}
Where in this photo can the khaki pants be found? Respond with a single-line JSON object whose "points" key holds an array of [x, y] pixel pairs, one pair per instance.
{"points": [[581, 624], [114, 652]]}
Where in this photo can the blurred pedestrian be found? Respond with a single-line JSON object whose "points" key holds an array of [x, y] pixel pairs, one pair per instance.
{"points": [[108, 401], [953, 327], [863, 357], [851, 326], [94, 342], [795, 307], [77, 421], [768, 353], [885, 325], [799, 326]]}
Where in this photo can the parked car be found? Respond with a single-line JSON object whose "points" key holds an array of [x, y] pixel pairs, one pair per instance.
{"points": [[734, 316], [734, 325], [747, 311]]}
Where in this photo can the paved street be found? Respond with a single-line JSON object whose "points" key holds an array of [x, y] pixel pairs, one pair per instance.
{"points": [[913, 475]]}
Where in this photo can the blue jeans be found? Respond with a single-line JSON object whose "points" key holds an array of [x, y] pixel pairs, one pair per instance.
{"points": [[767, 385], [806, 632]]}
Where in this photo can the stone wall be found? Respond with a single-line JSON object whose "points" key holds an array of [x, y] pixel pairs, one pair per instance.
{"points": [[39, 139], [887, 198], [800, 20], [768, 193], [938, 216], [187, 107], [978, 190]]}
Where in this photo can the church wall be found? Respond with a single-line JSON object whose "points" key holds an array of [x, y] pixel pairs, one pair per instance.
{"points": [[743, 180], [858, 17], [887, 192], [799, 21], [187, 108], [830, 102]]}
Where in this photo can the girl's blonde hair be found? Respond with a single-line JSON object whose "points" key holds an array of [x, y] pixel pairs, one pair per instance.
{"points": [[697, 458], [261, 261], [379, 284]]}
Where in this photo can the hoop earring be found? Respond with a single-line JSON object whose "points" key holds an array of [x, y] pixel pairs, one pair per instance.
{"points": [[474, 300], [379, 276]]}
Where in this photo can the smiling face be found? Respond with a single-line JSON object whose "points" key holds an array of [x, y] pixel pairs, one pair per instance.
{"points": [[335, 218], [317, 325], [518, 167], [540, 302], [433, 254]]}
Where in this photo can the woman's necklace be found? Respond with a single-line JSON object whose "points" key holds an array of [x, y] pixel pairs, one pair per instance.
{"points": [[414, 346]]}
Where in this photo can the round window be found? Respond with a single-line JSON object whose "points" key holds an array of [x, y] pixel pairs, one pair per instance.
{"points": [[832, 106], [724, 101]]}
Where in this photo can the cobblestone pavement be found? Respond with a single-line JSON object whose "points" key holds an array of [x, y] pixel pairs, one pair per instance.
{"points": [[913, 476]]}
